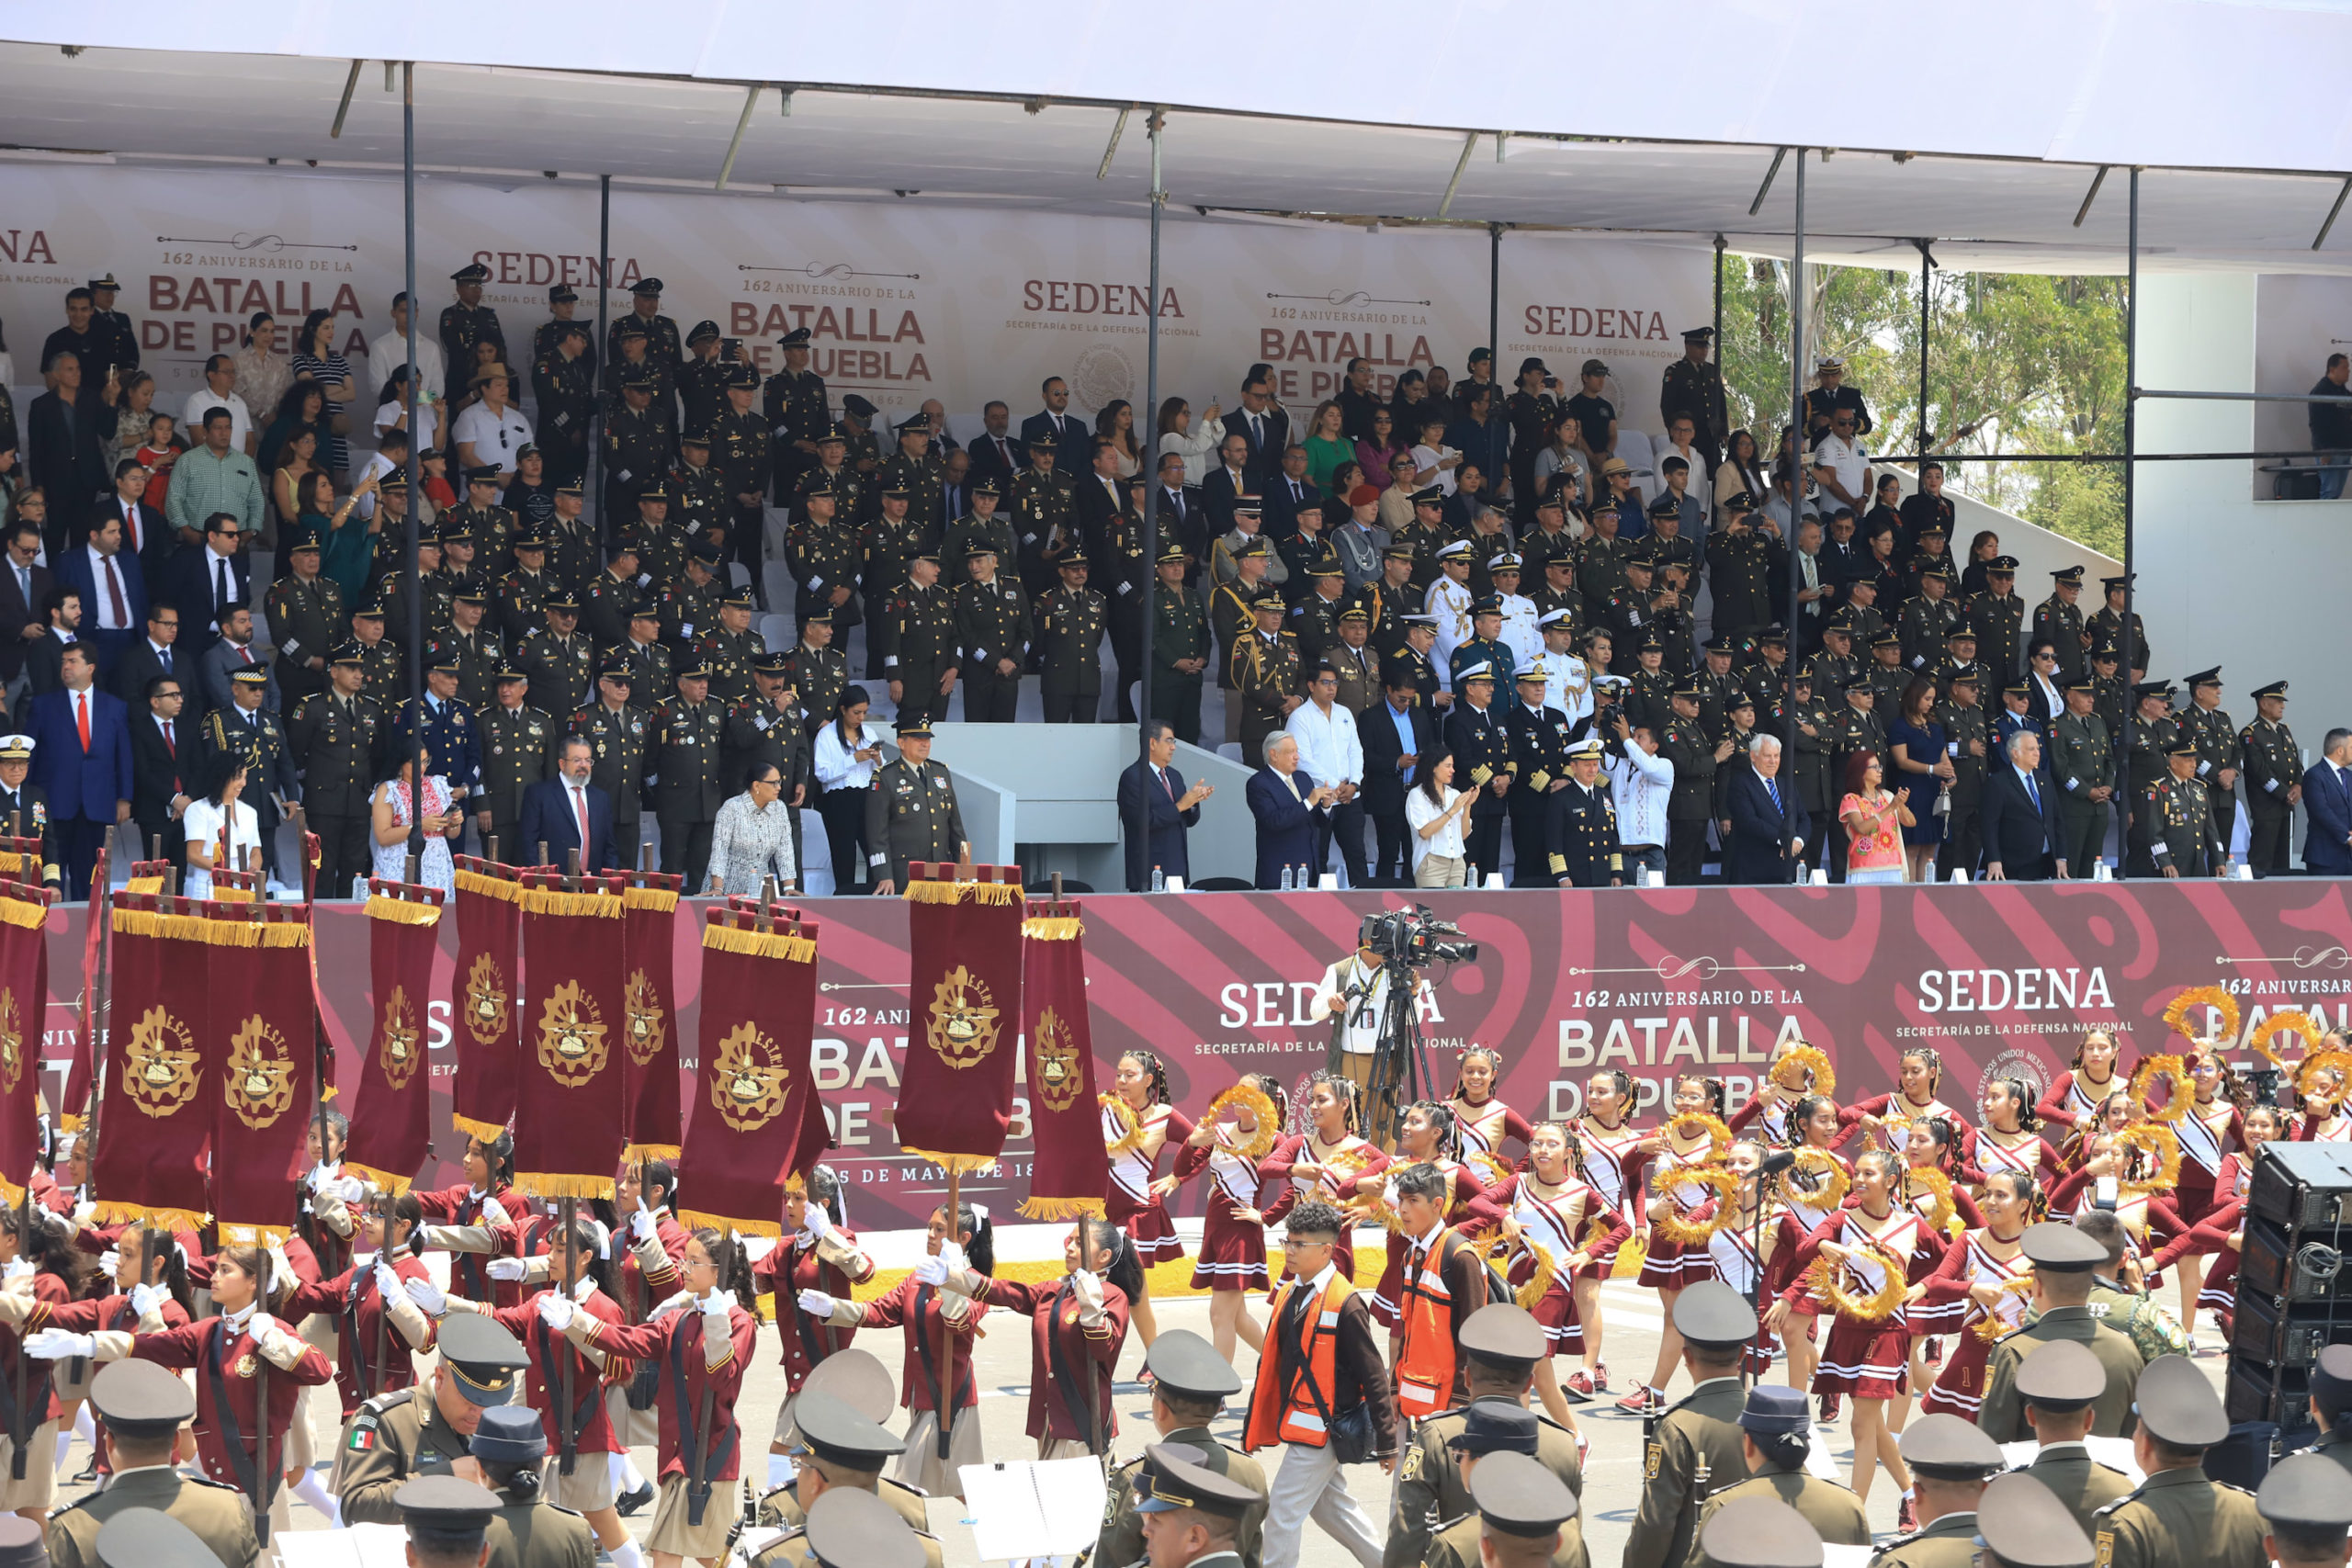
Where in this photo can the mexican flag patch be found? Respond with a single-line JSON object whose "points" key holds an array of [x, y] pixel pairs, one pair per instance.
{"points": [[362, 1439]]}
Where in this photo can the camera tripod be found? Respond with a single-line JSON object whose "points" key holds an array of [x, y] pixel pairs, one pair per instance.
{"points": [[1400, 1051]]}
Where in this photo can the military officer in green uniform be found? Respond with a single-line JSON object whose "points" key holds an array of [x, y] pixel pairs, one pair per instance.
{"points": [[1207, 1510], [639, 442], [1998, 616], [839, 1448], [1816, 737], [1516, 1500], [618, 732], [143, 1407], [2082, 762], [473, 645], [465, 326], [1190, 1383], [556, 657], [918, 632], [772, 729], [1071, 619], [1179, 647], [2217, 747], [336, 738], [993, 628], [2060, 618], [985, 523], [490, 525], [1886, 672], [424, 1429], [2178, 1516], [1949, 1463], [2273, 768], [2304, 1503], [1758, 1532], [700, 508], [523, 593], [2058, 1383], [819, 672], [825, 554], [382, 673], [688, 741], [2172, 822], [2110, 697], [884, 545], [649, 657], [832, 474], [690, 605], [793, 405], [2064, 1259], [1968, 733], [911, 813], [529, 1530], [1926, 623], [1776, 1425], [731, 648], [1693, 388], [306, 620], [1357, 665], [2149, 736], [2110, 628], [1042, 505], [1315, 610], [741, 446], [702, 376], [914, 470], [518, 749], [563, 380], [1696, 1445], [1267, 680]]}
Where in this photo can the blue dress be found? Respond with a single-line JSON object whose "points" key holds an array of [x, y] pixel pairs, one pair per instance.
{"points": [[1922, 745]]}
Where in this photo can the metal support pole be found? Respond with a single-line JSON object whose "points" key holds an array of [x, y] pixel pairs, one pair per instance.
{"points": [[1720, 243], [415, 631], [1927, 264], [1796, 456], [1495, 300], [2130, 439], [1141, 827], [604, 290]]}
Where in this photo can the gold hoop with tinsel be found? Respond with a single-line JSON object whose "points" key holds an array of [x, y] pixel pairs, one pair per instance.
{"points": [[1719, 1138], [2317, 1066], [2162, 1145], [1829, 1284], [1723, 1182], [1548, 1269], [1835, 1183], [2221, 1001], [1942, 1213], [1816, 1065], [1991, 1328], [1261, 1105], [2292, 1021], [1349, 1164], [1130, 1138], [2144, 1077], [1493, 1168]]}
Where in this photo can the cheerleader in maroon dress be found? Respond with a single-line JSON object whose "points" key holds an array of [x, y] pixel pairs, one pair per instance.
{"points": [[2220, 1234], [1808, 1197], [2110, 1116], [2077, 1092], [2214, 1127], [2011, 1137], [2322, 1119], [1425, 1135], [1484, 1123], [1138, 1202], [1884, 1120], [1933, 1144], [1988, 1273], [1323, 1164], [1610, 1156], [1671, 1267], [2146, 1219], [1550, 1206], [1749, 1257], [1767, 1115], [1233, 1243]]}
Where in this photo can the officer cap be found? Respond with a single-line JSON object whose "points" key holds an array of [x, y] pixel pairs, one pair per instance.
{"points": [[1481, 670], [691, 668], [979, 547], [482, 1356], [1532, 673], [797, 338], [1421, 618], [1713, 1316], [849, 1526], [2307, 1494], [2203, 678], [1686, 687], [22, 1543], [741, 599], [472, 272], [2061, 1248], [742, 376], [2023, 1525], [1933, 526], [647, 285], [1427, 495], [1969, 675], [1502, 1335], [1886, 639], [1457, 550], [1400, 552], [372, 612], [1506, 561], [989, 487], [917, 424], [1246, 506], [2001, 565], [564, 293], [1517, 1497], [1651, 643], [395, 480], [1722, 642], [1268, 603], [1326, 570], [529, 539], [347, 653], [2276, 689], [657, 490], [1698, 334], [1355, 613], [1773, 636], [840, 1434], [150, 1538], [1761, 1532], [2124, 581], [1562, 617], [106, 282], [860, 407], [1493, 1426], [1586, 750], [1172, 554], [1183, 1362], [2331, 1382], [506, 674], [1739, 501], [705, 556], [1172, 1477], [630, 327], [2152, 689], [1946, 1448], [1739, 700], [1829, 361], [2063, 1376], [2082, 683], [1939, 571], [2177, 1406], [1255, 547], [470, 596], [646, 609], [694, 438], [1857, 681], [1838, 626], [2017, 688], [1072, 559], [133, 1400], [2106, 653], [2073, 574], [1960, 628], [454, 534], [1773, 1409], [446, 1508], [1638, 558], [308, 546], [250, 677], [913, 728], [638, 382], [1666, 505], [2182, 746], [619, 548], [835, 435], [1550, 498], [1492, 604], [822, 616], [702, 329], [572, 328], [572, 486], [617, 669], [493, 371], [509, 1434], [780, 667]]}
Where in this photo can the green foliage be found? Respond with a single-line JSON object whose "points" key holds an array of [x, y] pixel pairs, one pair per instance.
{"points": [[2018, 363]]}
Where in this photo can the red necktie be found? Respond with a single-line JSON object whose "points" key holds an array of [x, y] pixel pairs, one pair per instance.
{"points": [[580, 805], [130, 526], [81, 718], [169, 745], [114, 595], [246, 653], [1166, 785]]}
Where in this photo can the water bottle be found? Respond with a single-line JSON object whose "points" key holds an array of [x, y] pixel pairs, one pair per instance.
{"points": [[1801, 876], [1286, 884], [1158, 880]]}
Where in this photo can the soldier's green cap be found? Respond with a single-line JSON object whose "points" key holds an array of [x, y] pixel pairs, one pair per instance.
{"points": [[150, 1538], [822, 616], [470, 596], [1253, 546], [1172, 1477], [694, 438], [306, 546], [1400, 552], [1886, 639], [1945, 1447], [2203, 678], [443, 664], [2182, 746], [1071, 558], [2082, 683], [395, 480], [1517, 1497], [691, 668], [482, 474], [1666, 506], [134, 1402], [572, 486], [2153, 689], [646, 610], [1760, 1531], [2062, 1376], [987, 488], [2276, 689], [505, 675], [657, 490], [1183, 1362], [1937, 571], [1267, 604], [1688, 687], [2178, 1406], [1960, 628], [2306, 1495], [560, 602], [2023, 1524], [838, 1434], [2106, 653], [528, 539], [1326, 570], [1712, 1315], [913, 727], [347, 653], [2059, 1248], [742, 376], [741, 599], [979, 547], [1500, 1334], [617, 670], [1355, 613], [454, 534], [851, 1528], [484, 1364], [1495, 1426], [702, 329], [446, 1509], [372, 612], [1172, 554], [895, 492]]}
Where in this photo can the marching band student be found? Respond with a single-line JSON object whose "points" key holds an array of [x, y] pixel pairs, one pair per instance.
{"points": [[1743, 1251], [1788, 1080], [701, 1340], [113, 1301], [486, 1198], [1883, 1118], [1443, 1281], [2134, 1169], [1138, 1202], [2214, 1126], [1808, 1195], [2077, 1092], [371, 1306], [1426, 1132], [818, 1252], [1931, 1150], [1988, 1272], [2221, 1233], [1609, 1158], [581, 1273], [2110, 1116], [650, 1247], [2011, 1137], [1484, 1121], [1078, 1320], [1233, 1243], [918, 1310], [1322, 1383], [1549, 1206], [1669, 1266], [1324, 1163]]}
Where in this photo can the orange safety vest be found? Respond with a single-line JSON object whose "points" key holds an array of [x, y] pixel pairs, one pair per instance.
{"points": [[1425, 1354], [1282, 1407]]}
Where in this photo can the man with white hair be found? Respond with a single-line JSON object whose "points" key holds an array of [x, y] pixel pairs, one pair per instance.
{"points": [[1290, 809], [1329, 749], [2018, 818], [1769, 823]]}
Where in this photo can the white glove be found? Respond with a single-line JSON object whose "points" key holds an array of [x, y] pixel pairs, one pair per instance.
{"points": [[261, 1326], [510, 1270], [815, 1226], [428, 1296], [110, 1262], [930, 1272], [388, 1282], [18, 1269], [719, 1300], [494, 1213], [281, 1272], [145, 1298], [322, 1178], [953, 1256], [558, 1309], [57, 1222], [84, 1210], [640, 1223], [1086, 1286], [816, 1303], [678, 1302], [59, 1345], [351, 1190]]}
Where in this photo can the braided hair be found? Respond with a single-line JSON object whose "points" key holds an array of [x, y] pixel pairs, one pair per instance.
{"points": [[2087, 1128], [1351, 1097], [2232, 1089], [1568, 1136], [1272, 1089], [1624, 1082], [1439, 1116], [1717, 1093], [1928, 1054], [2027, 1190], [1945, 1136], [1154, 1070], [1494, 1060], [1801, 1111], [2021, 1096]]}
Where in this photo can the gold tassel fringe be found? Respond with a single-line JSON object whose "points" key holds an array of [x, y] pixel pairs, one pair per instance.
{"points": [[144, 886], [561, 901], [634, 1152], [401, 912], [230, 895], [694, 1218], [498, 887], [664, 899], [11, 1193], [390, 1182], [932, 890], [544, 1184], [954, 1164], [488, 1131], [759, 943], [23, 912], [211, 932], [235, 1235], [1057, 1208], [70, 1121], [108, 1213], [1052, 928]]}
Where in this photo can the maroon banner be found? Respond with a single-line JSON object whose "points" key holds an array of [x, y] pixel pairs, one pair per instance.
{"points": [[156, 1113], [575, 1012], [258, 1025], [391, 1114], [485, 1016], [650, 1111], [1072, 1174], [755, 1123], [24, 993], [964, 967], [76, 1103]]}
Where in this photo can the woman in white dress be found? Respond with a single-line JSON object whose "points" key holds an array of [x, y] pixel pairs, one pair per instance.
{"points": [[1194, 443], [221, 828], [391, 810]]}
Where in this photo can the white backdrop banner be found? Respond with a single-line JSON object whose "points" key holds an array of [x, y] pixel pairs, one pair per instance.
{"points": [[904, 302], [2299, 321]]}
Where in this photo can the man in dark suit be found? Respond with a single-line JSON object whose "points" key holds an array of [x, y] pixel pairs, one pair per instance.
{"points": [[1288, 807], [1223, 486], [44, 661], [999, 454], [2327, 806], [1398, 737], [1098, 495], [1182, 515], [1265, 431], [552, 810], [2018, 818], [147, 535], [106, 574], [82, 759], [1769, 827], [1155, 808], [1282, 493], [23, 587], [207, 580], [156, 652], [61, 438], [1058, 427], [162, 781]]}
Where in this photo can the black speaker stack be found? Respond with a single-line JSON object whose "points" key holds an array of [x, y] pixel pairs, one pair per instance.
{"points": [[2294, 1289]]}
